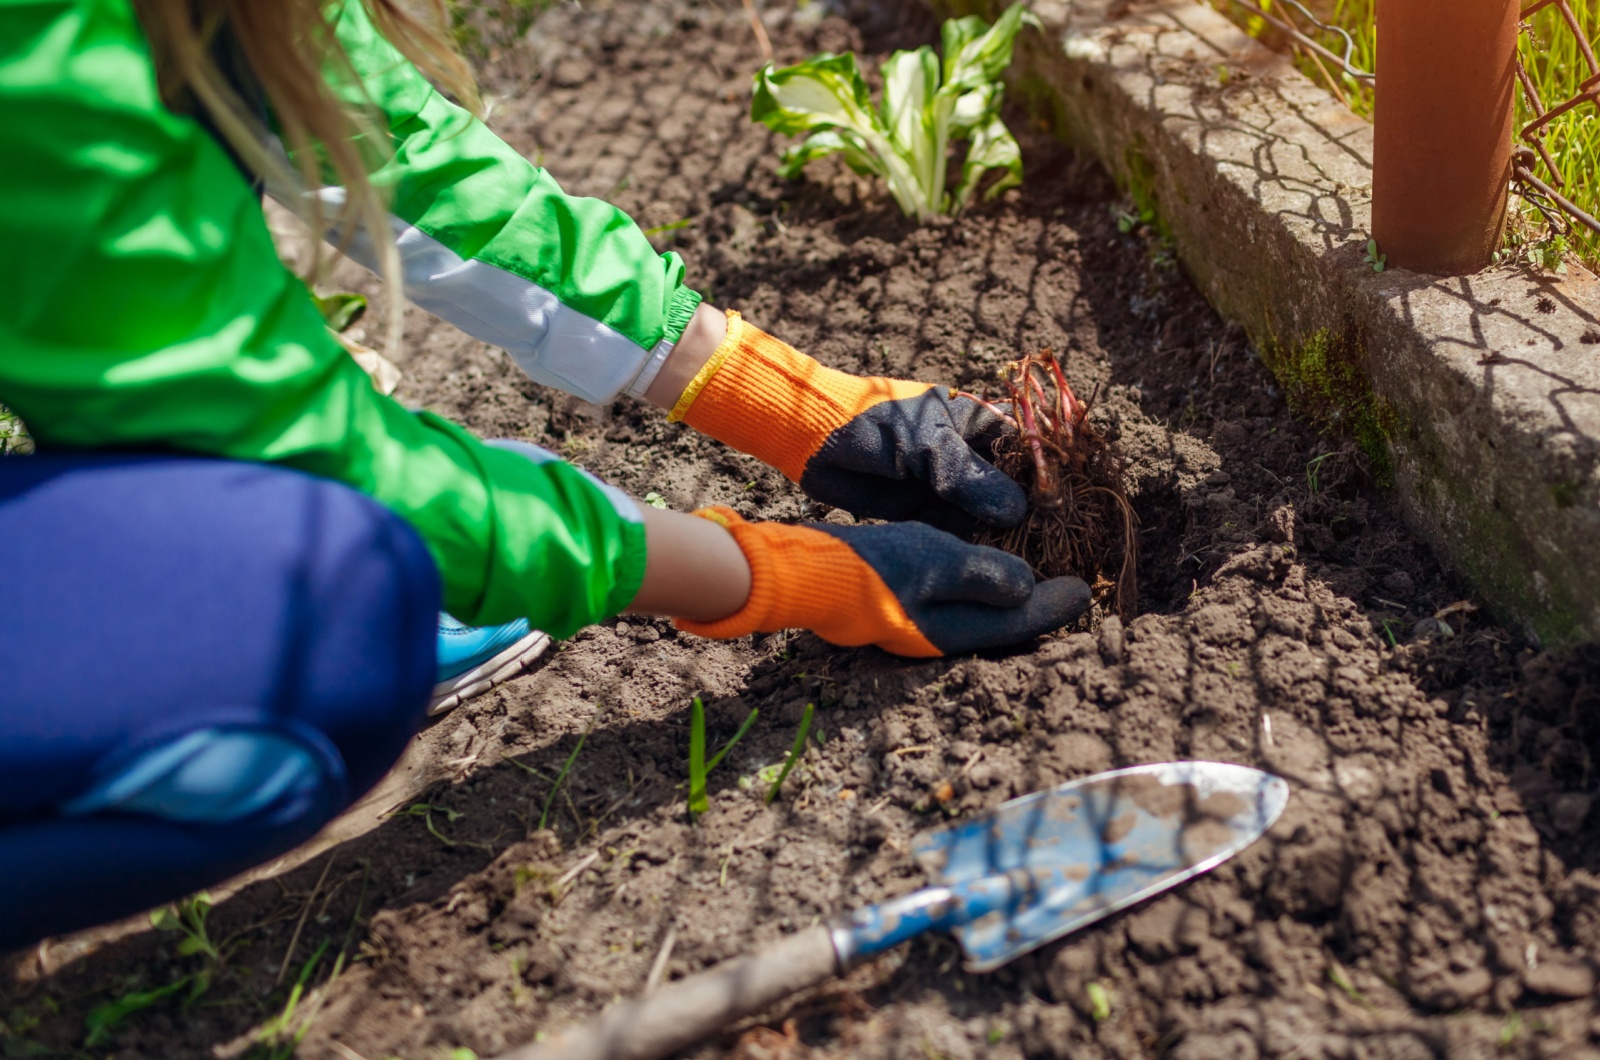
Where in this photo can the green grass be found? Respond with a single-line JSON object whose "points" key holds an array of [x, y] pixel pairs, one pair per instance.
{"points": [[1556, 67]]}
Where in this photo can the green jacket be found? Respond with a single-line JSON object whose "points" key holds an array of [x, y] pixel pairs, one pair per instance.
{"points": [[144, 305]]}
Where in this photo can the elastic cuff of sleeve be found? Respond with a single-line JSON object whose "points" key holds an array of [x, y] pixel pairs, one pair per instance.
{"points": [[680, 311], [630, 566]]}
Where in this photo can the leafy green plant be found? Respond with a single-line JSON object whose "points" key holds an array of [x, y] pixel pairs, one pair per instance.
{"points": [[699, 768], [187, 917], [793, 756], [926, 106], [1378, 261]]}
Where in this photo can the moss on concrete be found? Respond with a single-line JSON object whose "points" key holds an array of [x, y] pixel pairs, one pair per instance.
{"points": [[1325, 379]]}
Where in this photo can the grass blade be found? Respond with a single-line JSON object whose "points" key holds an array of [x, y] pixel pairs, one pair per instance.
{"points": [[794, 752], [566, 767], [744, 727], [698, 801]]}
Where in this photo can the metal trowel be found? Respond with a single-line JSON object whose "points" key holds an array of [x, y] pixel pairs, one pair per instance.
{"points": [[1003, 882]]}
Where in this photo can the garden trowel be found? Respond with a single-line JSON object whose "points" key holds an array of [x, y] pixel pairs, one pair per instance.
{"points": [[1003, 882]]}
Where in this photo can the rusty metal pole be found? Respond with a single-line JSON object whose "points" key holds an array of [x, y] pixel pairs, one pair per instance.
{"points": [[1443, 128]]}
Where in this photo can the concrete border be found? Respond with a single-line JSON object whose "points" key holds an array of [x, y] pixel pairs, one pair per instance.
{"points": [[1477, 398]]}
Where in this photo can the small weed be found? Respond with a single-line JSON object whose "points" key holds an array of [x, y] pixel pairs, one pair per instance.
{"points": [[794, 754], [566, 767], [1313, 481], [1378, 261], [699, 768], [187, 917], [672, 226], [104, 1019], [1337, 977], [426, 811], [1388, 631], [1511, 1030], [274, 1041], [655, 500], [1099, 1002]]}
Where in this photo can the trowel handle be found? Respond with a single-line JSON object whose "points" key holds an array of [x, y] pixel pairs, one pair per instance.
{"points": [[683, 1012]]}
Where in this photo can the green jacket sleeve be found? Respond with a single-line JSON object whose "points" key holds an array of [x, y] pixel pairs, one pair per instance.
{"points": [[145, 307], [569, 286]]}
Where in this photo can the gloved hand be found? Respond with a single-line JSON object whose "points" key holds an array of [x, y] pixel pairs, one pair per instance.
{"points": [[879, 448], [905, 587]]}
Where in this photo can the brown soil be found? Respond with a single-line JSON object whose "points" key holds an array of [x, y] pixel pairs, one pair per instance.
{"points": [[1433, 890]]}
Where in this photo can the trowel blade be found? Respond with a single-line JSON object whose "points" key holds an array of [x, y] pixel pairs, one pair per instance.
{"points": [[1093, 846]]}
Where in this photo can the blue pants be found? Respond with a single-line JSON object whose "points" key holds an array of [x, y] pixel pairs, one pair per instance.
{"points": [[144, 599]]}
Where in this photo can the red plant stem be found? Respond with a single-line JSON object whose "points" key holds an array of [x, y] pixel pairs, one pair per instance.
{"points": [[1044, 398], [992, 407], [1030, 432], [1074, 407]]}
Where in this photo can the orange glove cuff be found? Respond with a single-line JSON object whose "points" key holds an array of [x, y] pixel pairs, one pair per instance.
{"points": [[763, 397], [806, 579]]}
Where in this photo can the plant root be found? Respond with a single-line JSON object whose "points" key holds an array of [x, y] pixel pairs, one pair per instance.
{"points": [[1079, 520]]}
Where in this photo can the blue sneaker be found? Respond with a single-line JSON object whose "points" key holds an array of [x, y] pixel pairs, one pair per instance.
{"points": [[473, 659]]}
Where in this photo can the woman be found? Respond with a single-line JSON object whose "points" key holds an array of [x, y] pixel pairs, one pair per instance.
{"points": [[223, 569]]}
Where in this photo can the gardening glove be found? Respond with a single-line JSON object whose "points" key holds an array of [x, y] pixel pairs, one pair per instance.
{"points": [[905, 587], [878, 448]]}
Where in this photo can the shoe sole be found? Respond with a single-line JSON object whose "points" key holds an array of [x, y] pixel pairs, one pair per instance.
{"points": [[450, 694]]}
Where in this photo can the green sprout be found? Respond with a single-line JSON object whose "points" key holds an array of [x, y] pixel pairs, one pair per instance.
{"points": [[671, 226], [1373, 258], [794, 753], [699, 768], [1313, 471], [187, 917], [1099, 1002], [566, 767]]}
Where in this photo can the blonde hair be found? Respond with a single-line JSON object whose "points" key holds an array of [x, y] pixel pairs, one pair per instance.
{"points": [[291, 50]]}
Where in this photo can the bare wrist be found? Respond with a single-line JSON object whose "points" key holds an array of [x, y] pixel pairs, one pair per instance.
{"points": [[698, 342]]}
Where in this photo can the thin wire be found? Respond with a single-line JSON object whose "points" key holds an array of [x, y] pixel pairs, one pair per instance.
{"points": [[1350, 68]]}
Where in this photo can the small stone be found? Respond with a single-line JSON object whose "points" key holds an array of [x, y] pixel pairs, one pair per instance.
{"points": [[1427, 627], [1568, 812], [1455, 990], [570, 73], [1218, 478], [1399, 584], [1560, 976]]}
